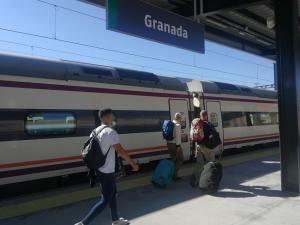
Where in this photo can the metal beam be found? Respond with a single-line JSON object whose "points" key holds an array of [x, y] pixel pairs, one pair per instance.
{"points": [[227, 39], [214, 6], [288, 70], [253, 16], [95, 2], [209, 6]]}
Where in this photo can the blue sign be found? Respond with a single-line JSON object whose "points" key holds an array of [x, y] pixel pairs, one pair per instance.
{"points": [[138, 18]]}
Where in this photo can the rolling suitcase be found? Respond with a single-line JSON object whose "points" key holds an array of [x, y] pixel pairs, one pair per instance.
{"points": [[163, 173]]}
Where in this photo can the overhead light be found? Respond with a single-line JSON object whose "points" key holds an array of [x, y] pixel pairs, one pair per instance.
{"points": [[217, 23]]}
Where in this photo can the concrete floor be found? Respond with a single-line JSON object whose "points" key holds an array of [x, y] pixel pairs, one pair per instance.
{"points": [[250, 194]]}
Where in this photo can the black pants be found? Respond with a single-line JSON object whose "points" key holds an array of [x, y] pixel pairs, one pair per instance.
{"points": [[109, 191]]}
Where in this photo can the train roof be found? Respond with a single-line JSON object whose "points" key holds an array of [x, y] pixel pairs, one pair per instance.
{"points": [[19, 65], [225, 88]]}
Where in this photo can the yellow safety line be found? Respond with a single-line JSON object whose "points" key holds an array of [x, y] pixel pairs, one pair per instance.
{"points": [[23, 208]]}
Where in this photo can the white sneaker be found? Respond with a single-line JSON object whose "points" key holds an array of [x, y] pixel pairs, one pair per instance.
{"points": [[79, 223], [121, 221]]}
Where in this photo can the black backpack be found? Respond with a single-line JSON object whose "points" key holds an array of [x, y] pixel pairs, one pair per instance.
{"points": [[92, 154], [212, 137], [210, 177]]}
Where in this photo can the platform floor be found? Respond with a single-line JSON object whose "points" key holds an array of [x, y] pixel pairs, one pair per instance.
{"points": [[250, 194]]}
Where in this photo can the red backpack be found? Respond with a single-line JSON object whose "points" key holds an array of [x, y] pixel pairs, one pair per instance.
{"points": [[197, 133]]}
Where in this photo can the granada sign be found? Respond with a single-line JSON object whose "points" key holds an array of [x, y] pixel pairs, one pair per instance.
{"points": [[140, 19]]}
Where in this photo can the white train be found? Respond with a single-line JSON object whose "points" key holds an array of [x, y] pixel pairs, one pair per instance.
{"points": [[48, 108]]}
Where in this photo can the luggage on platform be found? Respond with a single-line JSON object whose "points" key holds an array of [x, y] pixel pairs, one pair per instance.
{"points": [[211, 176], [163, 173]]}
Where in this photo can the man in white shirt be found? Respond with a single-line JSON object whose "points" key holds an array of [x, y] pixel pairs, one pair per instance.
{"points": [[109, 141], [174, 146]]}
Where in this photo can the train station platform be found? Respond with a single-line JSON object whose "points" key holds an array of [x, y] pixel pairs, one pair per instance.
{"points": [[250, 194]]}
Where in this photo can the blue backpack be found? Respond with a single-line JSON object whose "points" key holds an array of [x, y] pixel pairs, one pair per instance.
{"points": [[167, 130], [163, 173]]}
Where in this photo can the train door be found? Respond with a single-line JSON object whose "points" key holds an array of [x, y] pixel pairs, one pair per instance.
{"points": [[215, 117], [180, 105]]}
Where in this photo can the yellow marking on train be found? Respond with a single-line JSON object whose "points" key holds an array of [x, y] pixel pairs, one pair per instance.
{"points": [[23, 208]]}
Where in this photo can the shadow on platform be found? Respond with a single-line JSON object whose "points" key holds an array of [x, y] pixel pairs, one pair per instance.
{"points": [[146, 200]]}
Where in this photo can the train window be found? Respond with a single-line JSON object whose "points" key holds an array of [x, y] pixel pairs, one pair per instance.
{"points": [[234, 119], [265, 119], [97, 71], [246, 90], [227, 88], [274, 117], [240, 119], [50, 123], [183, 120], [139, 121], [137, 76], [214, 119], [262, 118]]}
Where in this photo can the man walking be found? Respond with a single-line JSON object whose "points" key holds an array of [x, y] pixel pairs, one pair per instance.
{"points": [[174, 146], [109, 142], [203, 153]]}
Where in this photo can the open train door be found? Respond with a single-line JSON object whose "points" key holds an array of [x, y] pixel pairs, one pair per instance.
{"points": [[180, 105], [215, 117]]}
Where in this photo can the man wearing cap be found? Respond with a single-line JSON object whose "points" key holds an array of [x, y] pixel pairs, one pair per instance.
{"points": [[174, 146]]}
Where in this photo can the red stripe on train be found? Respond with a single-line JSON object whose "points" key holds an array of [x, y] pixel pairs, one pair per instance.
{"points": [[29, 85]]}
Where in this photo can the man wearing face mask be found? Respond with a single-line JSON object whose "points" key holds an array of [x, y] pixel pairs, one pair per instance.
{"points": [[108, 139]]}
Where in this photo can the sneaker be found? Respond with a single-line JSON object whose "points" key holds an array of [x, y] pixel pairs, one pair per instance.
{"points": [[79, 223], [121, 221]]}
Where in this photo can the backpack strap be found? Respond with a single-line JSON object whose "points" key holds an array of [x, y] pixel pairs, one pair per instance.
{"points": [[97, 133]]}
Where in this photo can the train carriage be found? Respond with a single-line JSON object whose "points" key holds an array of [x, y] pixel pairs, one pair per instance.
{"points": [[48, 108], [243, 116]]}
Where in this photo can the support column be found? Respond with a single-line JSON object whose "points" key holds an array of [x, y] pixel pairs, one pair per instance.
{"points": [[275, 77], [288, 70]]}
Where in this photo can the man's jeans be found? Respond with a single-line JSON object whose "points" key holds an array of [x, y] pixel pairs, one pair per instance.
{"points": [[109, 191]]}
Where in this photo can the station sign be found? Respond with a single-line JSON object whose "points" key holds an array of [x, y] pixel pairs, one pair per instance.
{"points": [[141, 19]]}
